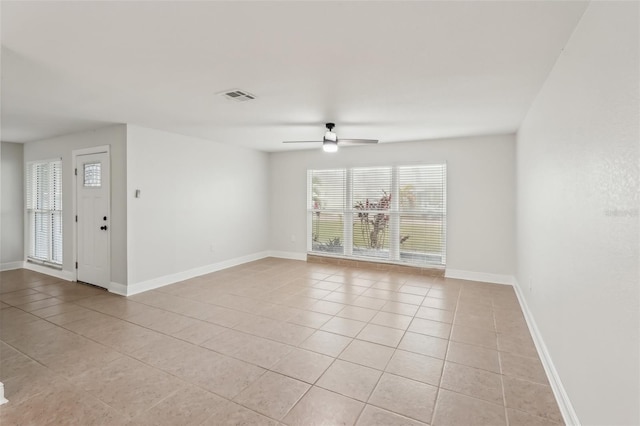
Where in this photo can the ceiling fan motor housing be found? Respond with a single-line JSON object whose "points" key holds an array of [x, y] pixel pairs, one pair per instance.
{"points": [[329, 135]]}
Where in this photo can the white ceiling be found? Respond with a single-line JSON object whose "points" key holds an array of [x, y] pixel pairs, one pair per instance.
{"points": [[394, 71]]}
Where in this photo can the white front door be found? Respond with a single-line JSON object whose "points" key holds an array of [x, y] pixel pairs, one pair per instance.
{"points": [[93, 217]]}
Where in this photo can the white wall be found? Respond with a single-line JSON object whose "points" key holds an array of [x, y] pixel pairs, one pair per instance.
{"points": [[480, 194], [577, 161], [202, 203], [12, 202], [61, 147]]}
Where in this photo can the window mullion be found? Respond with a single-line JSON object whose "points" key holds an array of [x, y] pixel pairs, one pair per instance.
{"points": [[443, 228], [309, 212], [348, 215], [394, 224], [51, 197]]}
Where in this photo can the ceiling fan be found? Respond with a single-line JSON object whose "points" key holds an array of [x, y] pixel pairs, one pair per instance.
{"points": [[330, 140]]}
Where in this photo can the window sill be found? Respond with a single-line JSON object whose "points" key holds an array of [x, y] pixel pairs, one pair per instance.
{"points": [[45, 264], [357, 262]]}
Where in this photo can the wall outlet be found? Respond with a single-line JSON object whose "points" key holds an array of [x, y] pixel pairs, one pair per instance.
{"points": [[293, 238], [212, 248], [530, 285]]}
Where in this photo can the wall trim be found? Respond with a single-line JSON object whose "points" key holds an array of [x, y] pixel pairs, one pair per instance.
{"points": [[58, 273], [564, 403], [158, 282], [480, 276], [8, 266], [293, 255], [117, 288]]}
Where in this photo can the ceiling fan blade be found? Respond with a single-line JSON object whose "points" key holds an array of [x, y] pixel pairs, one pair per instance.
{"points": [[301, 141], [356, 141]]}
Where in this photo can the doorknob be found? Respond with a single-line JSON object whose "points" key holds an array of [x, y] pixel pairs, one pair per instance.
{"points": [[104, 228]]}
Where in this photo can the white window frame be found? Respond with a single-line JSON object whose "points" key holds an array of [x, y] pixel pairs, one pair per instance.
{"points": [[30, 215], [394, 213]]}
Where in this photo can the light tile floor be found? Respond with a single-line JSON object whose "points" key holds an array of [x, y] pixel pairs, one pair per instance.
{"points": [[270, 342]]}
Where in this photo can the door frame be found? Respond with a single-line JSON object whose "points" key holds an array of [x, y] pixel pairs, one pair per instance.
{"points": [[74, 195]]}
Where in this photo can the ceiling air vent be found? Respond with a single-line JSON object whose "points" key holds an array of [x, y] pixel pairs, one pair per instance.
{"points": [[238, 95]]}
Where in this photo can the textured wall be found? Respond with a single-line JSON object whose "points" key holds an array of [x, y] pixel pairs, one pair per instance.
{"points": [[578, 214]]}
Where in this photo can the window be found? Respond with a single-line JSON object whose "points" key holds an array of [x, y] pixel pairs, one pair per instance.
{"points": [[395, 214], [44, 211], [91, 175], [327, 202]]}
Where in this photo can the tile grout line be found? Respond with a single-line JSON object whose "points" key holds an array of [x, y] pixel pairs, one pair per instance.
{"points": [[383, 370], [345, 348], [139, 360], [168, 335], [318, 328], [504, 391], [336, 358], [435, 404]]}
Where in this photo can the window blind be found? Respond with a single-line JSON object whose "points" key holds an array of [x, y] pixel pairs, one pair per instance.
{"points": [[326, 206], [422, 213], [372, 192], [395, 213], [44, 211]]}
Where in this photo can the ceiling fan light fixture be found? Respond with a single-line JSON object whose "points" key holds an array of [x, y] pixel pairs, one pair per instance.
{"points": [[330, 146], [330, 136]]}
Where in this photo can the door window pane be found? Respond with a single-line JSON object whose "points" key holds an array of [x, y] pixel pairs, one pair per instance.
{"points": [[92, 175]]}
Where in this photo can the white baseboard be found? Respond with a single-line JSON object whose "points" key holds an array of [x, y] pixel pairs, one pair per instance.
{"points": [[3, 400], [479, 276], [8, 266], [288, 255], [117, 288], [158, 282], [62, 274], [564, 403]]}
